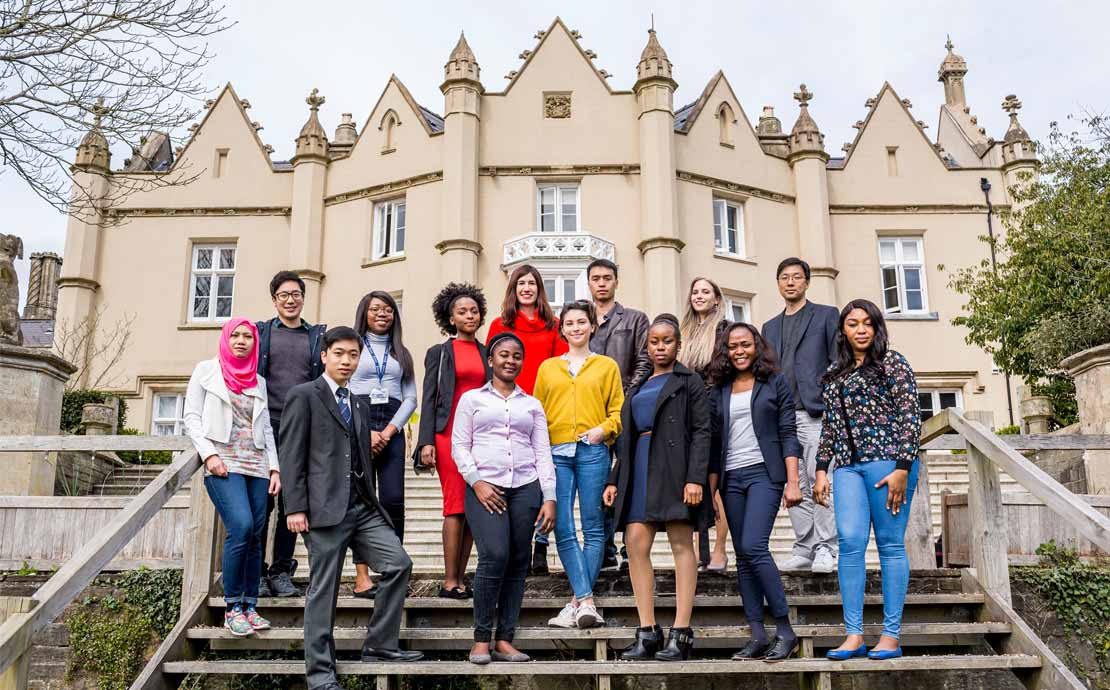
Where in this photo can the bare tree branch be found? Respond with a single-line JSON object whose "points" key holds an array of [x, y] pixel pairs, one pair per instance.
{"points": [[96, 349]]}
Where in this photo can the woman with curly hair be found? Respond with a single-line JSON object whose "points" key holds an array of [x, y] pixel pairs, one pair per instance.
{"points": [[755, 450], [451, 369]]}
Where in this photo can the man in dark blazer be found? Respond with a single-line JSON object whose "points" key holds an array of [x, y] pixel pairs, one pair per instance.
{"points": [[330, 499], [803, 336]]}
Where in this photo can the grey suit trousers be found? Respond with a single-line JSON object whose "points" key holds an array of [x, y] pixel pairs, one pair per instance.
{"points": [[367, 533], [814, 524]]}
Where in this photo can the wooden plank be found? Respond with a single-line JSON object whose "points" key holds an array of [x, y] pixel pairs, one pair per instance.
{"points": [[61, 589], [935, 426], [593, 668], [15, 678], [989, 531], [1052, 673], [1086, 520], [113, 566], [12, 444], [199, 550], [920, 546], [80, 502], [176, 647], [1027, 442]]}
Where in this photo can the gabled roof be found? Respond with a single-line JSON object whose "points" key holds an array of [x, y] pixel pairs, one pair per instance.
{"points": [[432, 123], [539, 46], [905, 109], [687, 115], [227, 91]]}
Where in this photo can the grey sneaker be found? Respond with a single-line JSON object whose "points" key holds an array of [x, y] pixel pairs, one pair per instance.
{"points": [[797, 563], [264, 587], [282, 586], [824, 563]]}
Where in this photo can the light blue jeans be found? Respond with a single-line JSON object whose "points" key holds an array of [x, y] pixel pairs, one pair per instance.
{"points": [[858, 507], [586, 474]]}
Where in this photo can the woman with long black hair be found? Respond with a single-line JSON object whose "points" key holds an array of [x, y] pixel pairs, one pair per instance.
{"points": [[386, 383], [871, 432]]}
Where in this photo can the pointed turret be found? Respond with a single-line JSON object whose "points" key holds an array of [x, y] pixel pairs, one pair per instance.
{"points": [[805, 137], [93, 154], [312, 142], [951, 73], [654, 64], [1017, 146], [462, 67]]}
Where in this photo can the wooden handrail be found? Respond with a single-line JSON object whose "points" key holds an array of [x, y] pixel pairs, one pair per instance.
{"points": [[11, 444], [62, 588], [1027, 442]]}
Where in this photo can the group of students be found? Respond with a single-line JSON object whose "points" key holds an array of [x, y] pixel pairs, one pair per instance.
{"points": [[650, 425]]}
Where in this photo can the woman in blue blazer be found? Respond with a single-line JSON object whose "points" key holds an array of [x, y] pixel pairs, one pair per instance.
{"points": [[755, 453]]}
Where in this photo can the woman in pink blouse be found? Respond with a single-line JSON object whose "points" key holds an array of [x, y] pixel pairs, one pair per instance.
{"points": [[501, 447]]}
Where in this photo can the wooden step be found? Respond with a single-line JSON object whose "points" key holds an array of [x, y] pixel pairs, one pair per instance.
{"points": [[594, 668]]}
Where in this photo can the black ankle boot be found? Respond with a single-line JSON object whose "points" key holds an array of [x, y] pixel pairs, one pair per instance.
{"points": [[648, 641], [539, 560], [679, 644]]}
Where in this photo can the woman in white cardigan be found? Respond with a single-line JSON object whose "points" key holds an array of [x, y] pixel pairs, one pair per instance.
{"points": [[227, 418]]}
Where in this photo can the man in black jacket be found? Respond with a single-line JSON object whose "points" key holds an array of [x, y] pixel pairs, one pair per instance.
{"points": [[804, 338], [288, 355], [330, 498]]}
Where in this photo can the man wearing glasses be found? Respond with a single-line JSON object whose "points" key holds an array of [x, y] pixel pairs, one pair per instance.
{"points": [[288, 355]]}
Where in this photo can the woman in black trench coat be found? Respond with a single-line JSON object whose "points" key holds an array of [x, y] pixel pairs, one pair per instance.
{"points": [[658, 483]]}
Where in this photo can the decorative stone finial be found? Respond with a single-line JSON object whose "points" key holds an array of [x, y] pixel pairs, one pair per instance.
{"points": [[93, 152], [462, 67], [1017, 145], [312, 142], [654, 64], [805, 136], [951, 73]]}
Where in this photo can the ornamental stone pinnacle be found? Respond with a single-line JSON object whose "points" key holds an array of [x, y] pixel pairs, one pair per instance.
{"points": [[1015, 132], [93, 153], [654, 66], [805, 137], [951, 72], [312, 142], [462, 68]]}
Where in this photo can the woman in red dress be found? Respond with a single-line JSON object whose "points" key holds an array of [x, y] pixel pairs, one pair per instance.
{"points": [[451, 369], [526, 313]]}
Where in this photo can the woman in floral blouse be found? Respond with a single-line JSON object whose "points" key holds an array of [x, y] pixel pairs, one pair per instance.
{"points": [[870, 433]]}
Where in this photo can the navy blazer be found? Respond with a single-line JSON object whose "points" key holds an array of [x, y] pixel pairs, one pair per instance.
{"points": [[816, 351], [772, 418]]}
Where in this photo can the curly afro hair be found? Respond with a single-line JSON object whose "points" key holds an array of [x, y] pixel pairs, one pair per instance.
{"points": [[445, 301]]}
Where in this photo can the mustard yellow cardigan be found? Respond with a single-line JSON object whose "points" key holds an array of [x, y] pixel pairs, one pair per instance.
{"points": [[575, 405]]}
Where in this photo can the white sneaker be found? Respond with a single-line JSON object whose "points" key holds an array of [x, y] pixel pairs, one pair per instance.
{"points": [[566, 618], [824, 563], [797, 563], [588, 617]]}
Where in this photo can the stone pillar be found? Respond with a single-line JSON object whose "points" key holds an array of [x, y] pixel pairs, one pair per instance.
{"points": [[306, 224], [660, 244], [808, 161], [31, 386], [99, 419], [462, 94], [1036, 412], [42, 286], [1090, 370]]}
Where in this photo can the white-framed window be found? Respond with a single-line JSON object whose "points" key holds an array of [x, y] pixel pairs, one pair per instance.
{"points": [[728, 227], [738, 309], [933, 400], [902, 264], [557, 208], [389, 229], [167, 418], [211, 282]]}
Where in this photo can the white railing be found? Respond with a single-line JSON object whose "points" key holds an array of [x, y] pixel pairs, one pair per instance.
{"points": [[558, 245]]}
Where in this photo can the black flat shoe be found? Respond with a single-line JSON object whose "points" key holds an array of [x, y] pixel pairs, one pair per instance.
{"points": [[366, 593], [781, 649], [753, 650], [371, 654], [648, 641], [454, 593], [679, 644]]}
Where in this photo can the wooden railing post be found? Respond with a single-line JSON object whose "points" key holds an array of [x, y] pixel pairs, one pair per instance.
{"points": [[989, 535], [199, 553], [15, 678], [920, 547]]}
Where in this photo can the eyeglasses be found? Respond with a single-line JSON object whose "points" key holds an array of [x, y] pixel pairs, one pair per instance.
{"points": [[289, 296], [381, 311]]}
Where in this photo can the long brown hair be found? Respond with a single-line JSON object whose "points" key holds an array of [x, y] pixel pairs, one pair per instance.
{"points": [[510, 306], [698, 337], [396, 342]]}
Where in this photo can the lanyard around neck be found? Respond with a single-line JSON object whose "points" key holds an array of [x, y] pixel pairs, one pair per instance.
{"points": [[379, 368]]}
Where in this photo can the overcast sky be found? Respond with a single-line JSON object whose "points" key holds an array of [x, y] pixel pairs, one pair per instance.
{"points": [[1053, 55]]}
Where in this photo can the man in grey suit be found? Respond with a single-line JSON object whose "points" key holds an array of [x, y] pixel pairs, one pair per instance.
{"points": [[330, 499], [804, 338]]}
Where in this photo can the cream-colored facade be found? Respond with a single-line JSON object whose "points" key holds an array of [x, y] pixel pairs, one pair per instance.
{"points": [[555, 170]]}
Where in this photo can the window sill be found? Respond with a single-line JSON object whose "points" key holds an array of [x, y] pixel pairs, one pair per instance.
{"points": [[201, 326], [734, 257], [370, 263], [917, 316]]}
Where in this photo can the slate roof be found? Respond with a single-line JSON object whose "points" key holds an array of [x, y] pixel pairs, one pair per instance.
{"points": [[683, 114], [435, 122]]}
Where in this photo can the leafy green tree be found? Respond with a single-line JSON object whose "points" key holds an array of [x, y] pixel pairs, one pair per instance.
{"points": [[1049, 296]]}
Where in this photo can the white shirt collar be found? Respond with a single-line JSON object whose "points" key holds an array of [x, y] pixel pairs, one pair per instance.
{"points": [[331, 384], [516, 391]]}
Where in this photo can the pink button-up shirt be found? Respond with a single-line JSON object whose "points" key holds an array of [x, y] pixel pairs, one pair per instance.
{"points": [[503, 441]]}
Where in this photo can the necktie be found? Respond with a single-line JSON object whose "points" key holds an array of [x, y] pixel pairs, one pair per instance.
{"points": [[344, 406]]}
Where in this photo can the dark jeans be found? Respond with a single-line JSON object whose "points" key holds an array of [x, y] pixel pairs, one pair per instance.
{"points": [[241, 502], [285, 542], [503, 542], [751, 502], [389, 468]]}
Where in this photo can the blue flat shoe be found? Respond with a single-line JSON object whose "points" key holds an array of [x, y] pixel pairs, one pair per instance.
{"points": [[881, 654], [844, 654]]}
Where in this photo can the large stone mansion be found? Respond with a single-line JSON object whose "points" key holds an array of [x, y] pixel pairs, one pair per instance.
{"points": [[556, 169]]}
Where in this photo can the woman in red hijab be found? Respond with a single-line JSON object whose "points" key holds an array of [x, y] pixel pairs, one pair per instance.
{"points": [[228, 420]]}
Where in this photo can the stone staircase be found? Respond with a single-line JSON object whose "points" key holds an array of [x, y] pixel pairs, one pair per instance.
{"points": [[129, 480]]}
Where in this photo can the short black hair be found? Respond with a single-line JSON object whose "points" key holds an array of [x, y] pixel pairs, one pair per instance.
{"points": [[792, 261], [445, 302], [578, 305], [334, 335], [602, 263], [284, 277]]}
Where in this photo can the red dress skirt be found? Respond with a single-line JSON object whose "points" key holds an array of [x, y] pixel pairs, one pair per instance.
{"points": [[470, 373]]}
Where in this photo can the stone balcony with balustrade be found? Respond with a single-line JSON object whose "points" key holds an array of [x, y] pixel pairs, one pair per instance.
{"points": [[565, 246]]}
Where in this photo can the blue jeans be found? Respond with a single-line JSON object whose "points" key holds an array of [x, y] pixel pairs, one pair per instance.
{"points": [[586, 474], [241, 502], [858, 507]]}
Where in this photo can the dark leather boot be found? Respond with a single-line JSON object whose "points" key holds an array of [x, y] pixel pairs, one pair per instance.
{"points": [[679, 644], [539, 560], [648, 641]]}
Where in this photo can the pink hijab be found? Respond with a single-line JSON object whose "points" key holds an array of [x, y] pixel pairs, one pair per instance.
{"points": [[239, 374]]}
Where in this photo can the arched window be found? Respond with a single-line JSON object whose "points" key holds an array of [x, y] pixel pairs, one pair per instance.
{"points": [[726, 121], [389, 122]]}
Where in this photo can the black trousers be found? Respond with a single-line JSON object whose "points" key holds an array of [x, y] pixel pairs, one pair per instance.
{"points": [[284, 541], [504, 550], [751, 502], [389, 468]]}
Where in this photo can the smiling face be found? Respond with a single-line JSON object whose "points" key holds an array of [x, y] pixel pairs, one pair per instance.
{"points": [[241, 342], [379, 316], [506, 359], [527, 290], [741, 348], [662, 345], [289, 300], [792, 283], [465, 315], [703, 298], [576, 328], [859, 330]]}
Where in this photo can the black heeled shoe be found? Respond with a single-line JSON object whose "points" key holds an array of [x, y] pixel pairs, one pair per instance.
{"points": [[781, 649], [754, 649], [679, 644], [648, 641]]}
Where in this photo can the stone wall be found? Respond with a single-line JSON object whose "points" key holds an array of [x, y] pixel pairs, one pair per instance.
{"points": [[1065, 466], [79, 474], [1037, 612]]}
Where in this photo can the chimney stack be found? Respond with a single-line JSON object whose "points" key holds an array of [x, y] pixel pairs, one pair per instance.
{"points": [[42, 287]]}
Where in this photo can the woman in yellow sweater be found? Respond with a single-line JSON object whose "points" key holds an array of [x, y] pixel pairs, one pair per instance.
{"points": [[582, 397]]}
